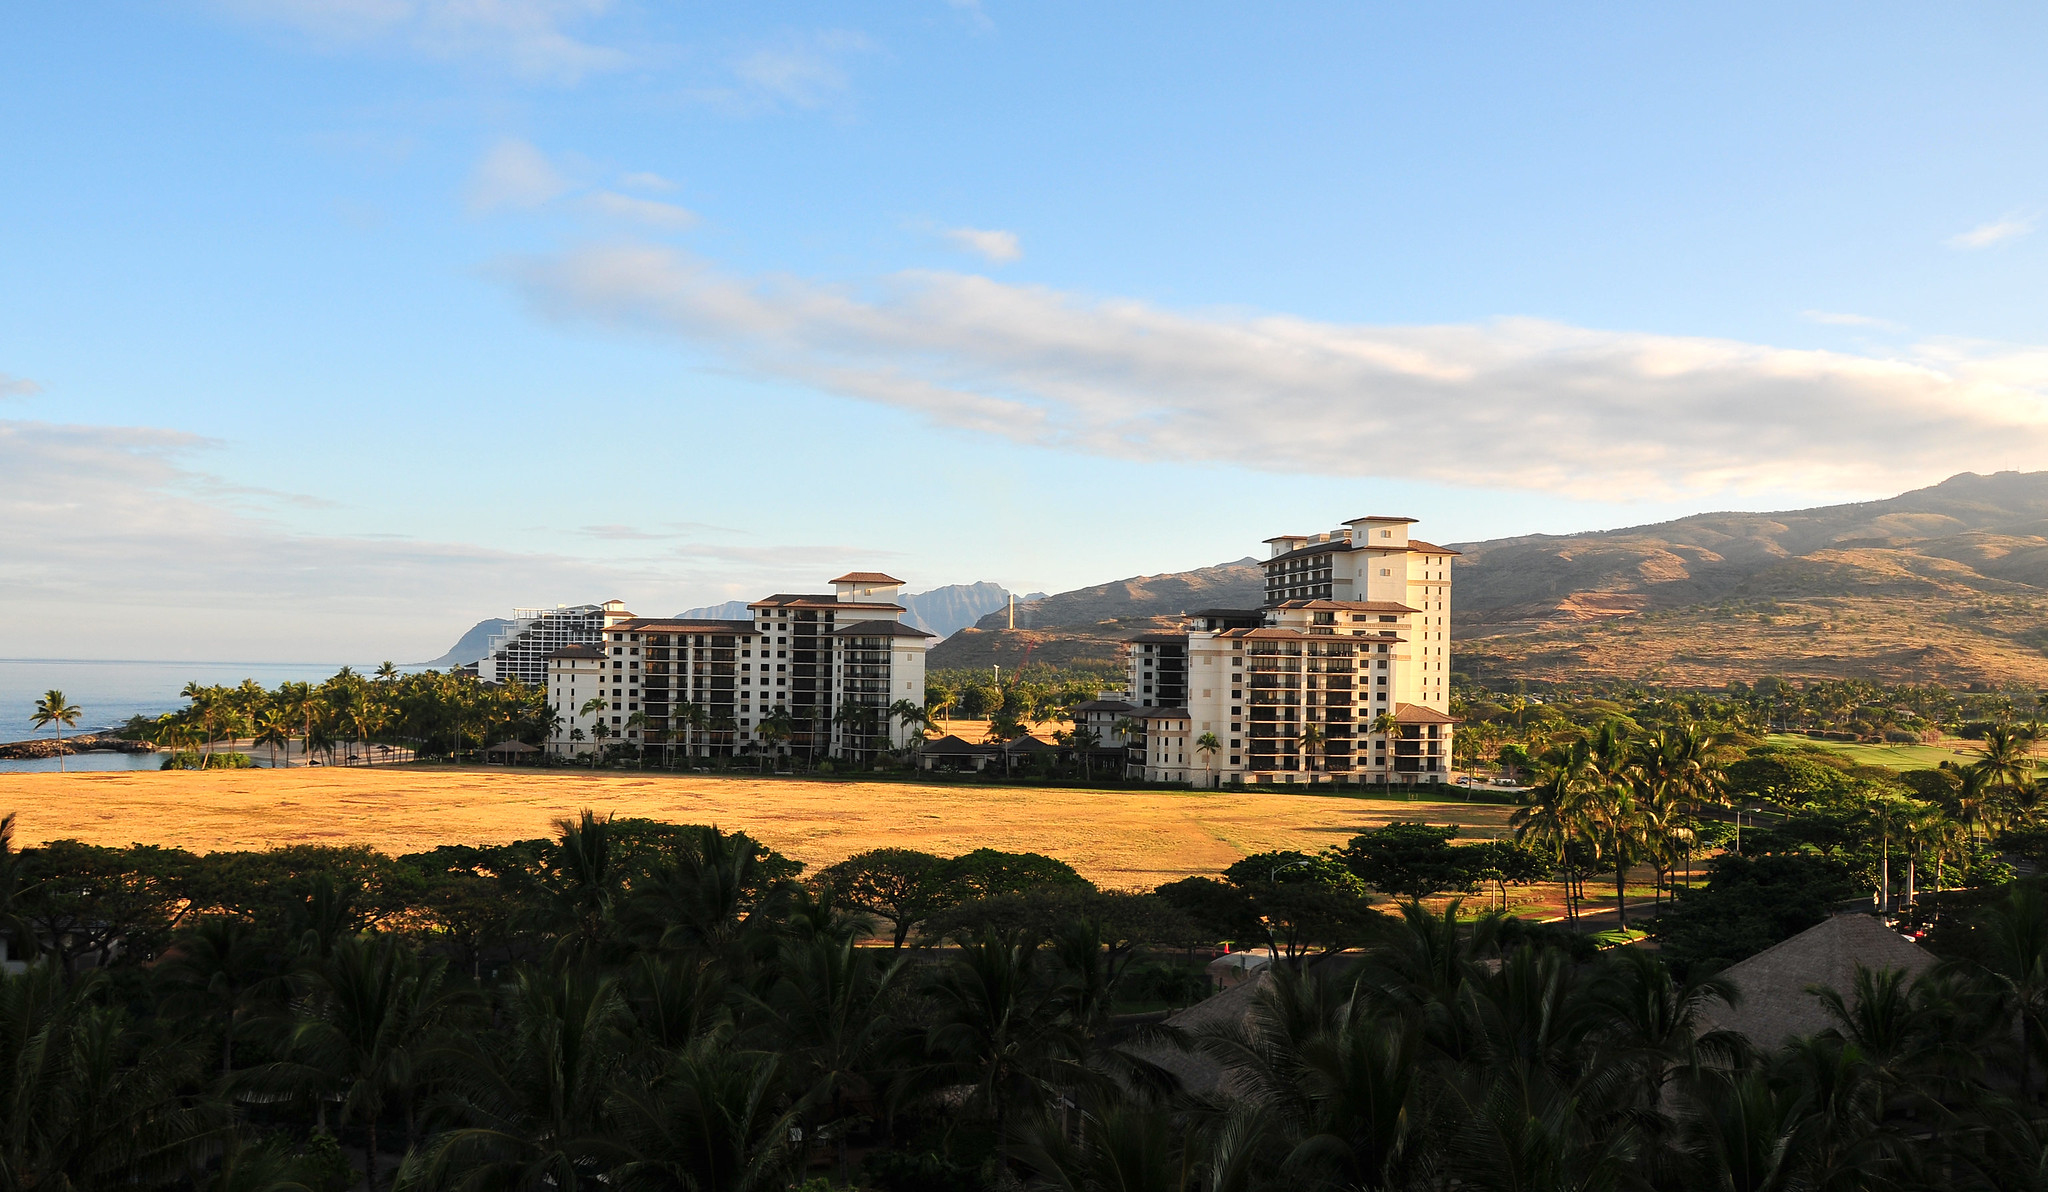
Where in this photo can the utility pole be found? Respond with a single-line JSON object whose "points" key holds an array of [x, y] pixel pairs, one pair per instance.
{"points": [[1013, 610]]}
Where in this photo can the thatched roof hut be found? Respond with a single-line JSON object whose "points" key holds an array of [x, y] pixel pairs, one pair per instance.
{"points": [[1774, 1003]]}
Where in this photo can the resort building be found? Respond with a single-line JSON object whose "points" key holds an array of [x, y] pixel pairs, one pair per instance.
{"points": [[521, 651], [1343, 674], [812, 674]]}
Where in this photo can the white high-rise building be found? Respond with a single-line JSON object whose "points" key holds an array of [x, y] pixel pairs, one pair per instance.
{"points": [[1343, 675], [520, 651], [827, 668]]}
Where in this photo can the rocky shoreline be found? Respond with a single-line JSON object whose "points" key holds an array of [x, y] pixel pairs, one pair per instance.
{"points": [[83, 743]]}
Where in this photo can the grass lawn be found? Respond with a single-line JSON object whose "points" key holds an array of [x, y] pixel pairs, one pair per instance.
{"points": [[1118, 839], [1898, 757]]}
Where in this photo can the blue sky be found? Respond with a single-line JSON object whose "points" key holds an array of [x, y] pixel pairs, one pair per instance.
{"points": [[322, 325]]}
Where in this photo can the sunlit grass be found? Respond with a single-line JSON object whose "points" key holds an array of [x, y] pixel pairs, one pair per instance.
{"points": [[1119, 839], [1898, 757]]}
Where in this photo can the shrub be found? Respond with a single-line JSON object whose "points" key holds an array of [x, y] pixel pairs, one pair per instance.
{"points": [[896, 1171], [330, 1170], [1174, 984], [192, 759], [1750, 903]]}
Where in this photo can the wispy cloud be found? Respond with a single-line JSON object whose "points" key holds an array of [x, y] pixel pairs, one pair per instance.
{"points": [[972, 11], [2006, 227], [164, 560], [670, 531], [1835, 318], [652, 212], [1514, 403], [801, 71], [998, 246], [122, 529], [515, 174], [531, 38], [644, 180], [17, 387]]}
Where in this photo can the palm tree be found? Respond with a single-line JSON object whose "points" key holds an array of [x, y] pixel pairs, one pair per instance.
{"points": [[1975, 800], [355, 712], [856, 721], [1553, 814], [938, 702], [723, 725], [374, 1009], [2017, 931], [274, 728], [828, 1014], [1208, 745], [206, 710], [82, 1106], [691, 717], [910, 713], [220, 967], [713, 1119], [1925, 828], [296, 703], [534, 1112], [638, 722], [54, 709], [775, 728], [584, 886], [1679, 764], [1612, 814], [1386, 726], [1337, 1084], [173, 731], [996, 1027], [595, 708], [2005, 765], [1083, 741], [1311, 741]]}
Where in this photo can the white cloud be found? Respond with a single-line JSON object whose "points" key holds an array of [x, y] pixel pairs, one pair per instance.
{"points": [[644, 180], [1833, 318], [805, 72], [17, 387], [118, 546], [2006, 227], [110, 527], [652, 212], [1514, 403], [515, 174], [997, 246], [531, 38]]}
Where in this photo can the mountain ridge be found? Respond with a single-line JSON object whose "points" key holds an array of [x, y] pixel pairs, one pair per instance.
{"points": [[1944, 583], [943, 611]]}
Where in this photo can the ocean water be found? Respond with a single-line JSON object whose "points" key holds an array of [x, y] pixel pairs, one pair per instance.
{"points": [[85, 763], [108, 693]]}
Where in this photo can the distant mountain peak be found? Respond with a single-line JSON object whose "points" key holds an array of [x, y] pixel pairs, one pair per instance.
{"points": [[943, 611]]}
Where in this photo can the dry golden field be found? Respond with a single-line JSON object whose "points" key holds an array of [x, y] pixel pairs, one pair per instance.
{"points": [[1117, 839]]}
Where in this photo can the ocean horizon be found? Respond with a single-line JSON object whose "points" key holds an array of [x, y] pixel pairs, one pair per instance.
{"points": [[109, 691]]}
